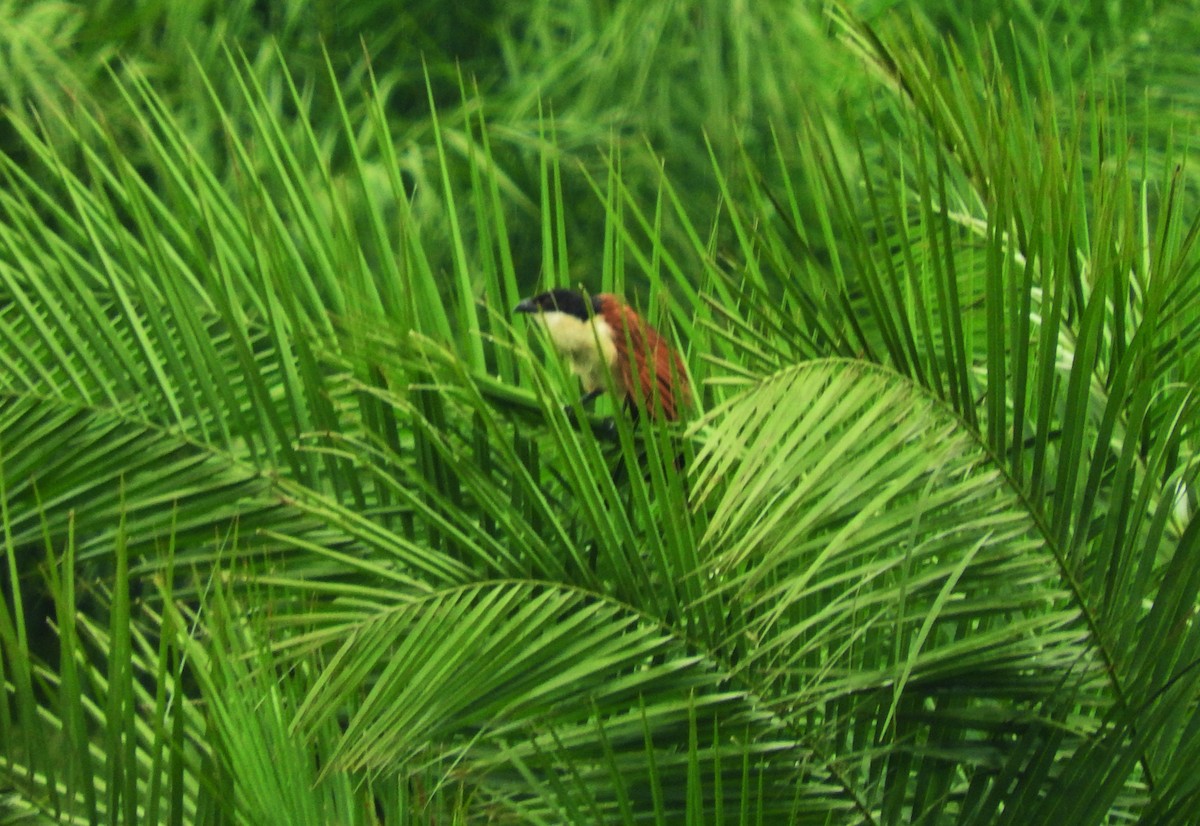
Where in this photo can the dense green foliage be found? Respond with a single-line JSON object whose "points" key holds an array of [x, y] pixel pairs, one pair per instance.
{"points": [[296, 529]]}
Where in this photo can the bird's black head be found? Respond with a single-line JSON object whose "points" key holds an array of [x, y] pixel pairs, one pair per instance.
{"points": [[569, 302]]}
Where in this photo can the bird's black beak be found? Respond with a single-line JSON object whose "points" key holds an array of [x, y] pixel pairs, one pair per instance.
{"points": [[526, 306]]}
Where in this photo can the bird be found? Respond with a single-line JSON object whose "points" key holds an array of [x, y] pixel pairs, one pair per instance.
{"points": [[601, 335]]}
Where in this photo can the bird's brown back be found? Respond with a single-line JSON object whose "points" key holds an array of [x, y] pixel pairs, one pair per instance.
{"points": [[656, 380]]}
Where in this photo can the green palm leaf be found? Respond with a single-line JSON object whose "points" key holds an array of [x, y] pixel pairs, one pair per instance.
{"points": [[296, 528]]}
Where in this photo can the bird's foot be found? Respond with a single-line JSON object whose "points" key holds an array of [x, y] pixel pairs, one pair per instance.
{"points": [[606, 429]]}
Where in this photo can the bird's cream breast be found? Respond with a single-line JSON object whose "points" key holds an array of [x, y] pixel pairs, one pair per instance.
{"points": [[587, 345]]}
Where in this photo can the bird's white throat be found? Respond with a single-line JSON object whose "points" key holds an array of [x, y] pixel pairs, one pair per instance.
{"points": [[587, 345]]}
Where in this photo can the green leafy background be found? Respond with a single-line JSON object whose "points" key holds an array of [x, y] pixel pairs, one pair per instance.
{"points": [[296, 528]]}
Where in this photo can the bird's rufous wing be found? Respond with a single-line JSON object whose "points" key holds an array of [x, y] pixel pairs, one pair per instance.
{"points": [[647, 368]]}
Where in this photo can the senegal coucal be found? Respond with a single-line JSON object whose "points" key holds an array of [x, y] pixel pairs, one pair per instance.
{"points": [[602, 335]]}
